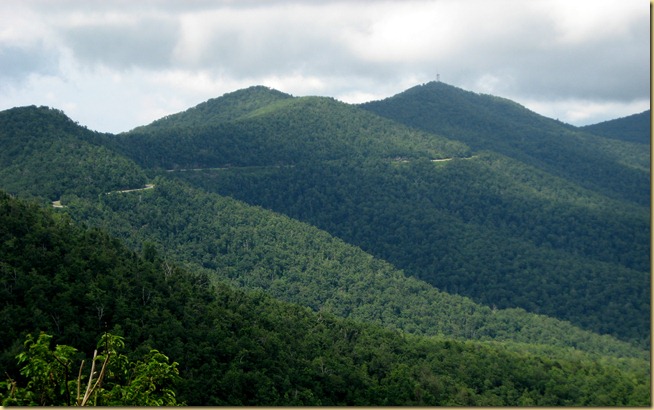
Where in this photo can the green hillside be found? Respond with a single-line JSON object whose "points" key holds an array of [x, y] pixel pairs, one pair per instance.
{"points": [[501, 229], [288, 265], [493, 240], [235, 348], [395, 259], [229, 107], [633, 128], [486, 122], [253, 248], [285, 132], [45, 154]]}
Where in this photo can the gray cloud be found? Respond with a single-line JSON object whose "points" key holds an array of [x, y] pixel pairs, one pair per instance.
{"points": [[17, 63], [156, 57], [148, 43]]}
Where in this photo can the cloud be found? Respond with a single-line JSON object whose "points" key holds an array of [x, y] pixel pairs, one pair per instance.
{"points": [[17, 63], [124, 42], [118, 64], [265, 41], [585, 112]]}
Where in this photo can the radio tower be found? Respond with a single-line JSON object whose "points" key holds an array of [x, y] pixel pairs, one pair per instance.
{"points": [[438, 78]]}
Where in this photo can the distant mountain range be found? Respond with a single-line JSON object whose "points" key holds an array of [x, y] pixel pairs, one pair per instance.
{"points": [[436, 212]]}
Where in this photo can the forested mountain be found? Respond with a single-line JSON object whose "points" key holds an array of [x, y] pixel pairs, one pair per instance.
{"points": [[253, 248], [633, 128], [230, 106], [486, 122], [494, 227], [45, 154], [490, 230], [553, 257], [248, 349], [285, 132], [256, 249]]}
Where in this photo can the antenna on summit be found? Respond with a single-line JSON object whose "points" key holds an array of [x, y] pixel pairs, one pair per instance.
{"points": [[438, 78]]}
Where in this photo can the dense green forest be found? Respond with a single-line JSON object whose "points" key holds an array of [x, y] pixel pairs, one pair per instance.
{"points": [[284, 133], [228, 107], [485, 224], [486, 122], [633, 128], [256, 249], [249, 349], [567, 260], [45, 154], [303, 251]]}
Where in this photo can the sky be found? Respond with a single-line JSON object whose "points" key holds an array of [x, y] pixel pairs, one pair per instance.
{"points": [[113, 65]]}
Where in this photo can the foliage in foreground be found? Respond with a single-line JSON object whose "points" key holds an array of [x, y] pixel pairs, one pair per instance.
{"points": [[111, 381]]}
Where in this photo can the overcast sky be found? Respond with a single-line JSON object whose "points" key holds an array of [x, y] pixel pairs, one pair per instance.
{"points": [[113, 65]]}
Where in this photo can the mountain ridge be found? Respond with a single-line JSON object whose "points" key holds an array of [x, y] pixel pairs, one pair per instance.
{"points": [[284, 132], [277, 114], [227, 107], [308, 193], [494, 123], [332, 207], [45, 153], [632, 128], [236, 348], [71, 201]]}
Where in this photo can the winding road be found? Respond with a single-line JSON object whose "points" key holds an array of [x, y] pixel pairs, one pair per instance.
{"points": [[57, 203]]}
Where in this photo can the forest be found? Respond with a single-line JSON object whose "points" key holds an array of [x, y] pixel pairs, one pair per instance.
{"points": [[531, 253], [438, 247], [241, 348]]}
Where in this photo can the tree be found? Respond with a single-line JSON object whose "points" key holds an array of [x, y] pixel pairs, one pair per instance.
{"points": [[112, 381]]}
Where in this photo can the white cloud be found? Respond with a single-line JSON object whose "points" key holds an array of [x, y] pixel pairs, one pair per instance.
{"points": [[117, 64], [585, 112], [580, 21]]}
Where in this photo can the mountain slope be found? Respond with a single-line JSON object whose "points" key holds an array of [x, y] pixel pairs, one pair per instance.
{"points": [[508, 230], [249, 349], [486, 122], [45, 154], [240, 349], [489, 238], [229, 107], [257, 249], [285, 132], [633, 128]]}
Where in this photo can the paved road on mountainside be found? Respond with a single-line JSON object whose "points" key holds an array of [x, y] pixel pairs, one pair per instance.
{"points": [[290, 166], [147, 186], [57, 203]]}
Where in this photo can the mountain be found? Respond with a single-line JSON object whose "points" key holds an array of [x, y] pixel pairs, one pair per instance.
{"points": [[491, 223], [380, 195], [554, 257], [256, 249], [633, 128], [486, 122], [253, 248], [287, 131], [45, 154], [248, 349], [229, 107]]}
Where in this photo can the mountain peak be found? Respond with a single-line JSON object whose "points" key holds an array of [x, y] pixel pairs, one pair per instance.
{"points": [[435, 86], [228, 107], [33, 117]]}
